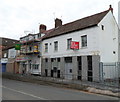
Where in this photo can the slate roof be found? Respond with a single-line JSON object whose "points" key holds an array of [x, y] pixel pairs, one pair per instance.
{"points": [[7, 42], [80, 24]]}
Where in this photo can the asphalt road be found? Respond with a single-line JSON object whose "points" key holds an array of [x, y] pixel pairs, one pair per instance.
{"points": [[17, 90]]}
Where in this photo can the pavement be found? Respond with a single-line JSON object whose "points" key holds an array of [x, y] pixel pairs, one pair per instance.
{"points": [[84, 86], [18, 90]]}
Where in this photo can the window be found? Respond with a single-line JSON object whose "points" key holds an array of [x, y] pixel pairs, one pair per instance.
{"points": [[90, 69], [35, 66], [56, 46], [102, 26], [58, 59], [69, 43], [46, 60], [68, 59], [84, 40], [30, 48], [53, 59], [55, 69], [70, 70], [46, 47], [5, 55]]}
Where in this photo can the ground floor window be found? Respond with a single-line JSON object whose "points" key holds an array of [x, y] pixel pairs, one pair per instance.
{"points": [[35, 66], [90, 69], [79, 67], [68, 59], [46, 72]]}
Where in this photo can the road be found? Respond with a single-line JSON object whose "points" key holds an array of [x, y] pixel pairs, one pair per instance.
{"points": [[17, 90]]}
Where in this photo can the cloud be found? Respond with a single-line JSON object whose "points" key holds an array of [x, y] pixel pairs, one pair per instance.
{"points": [[16, 16]]}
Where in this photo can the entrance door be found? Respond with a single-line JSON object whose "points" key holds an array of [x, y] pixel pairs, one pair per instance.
{"points": [[68, 70], [3, 67]]}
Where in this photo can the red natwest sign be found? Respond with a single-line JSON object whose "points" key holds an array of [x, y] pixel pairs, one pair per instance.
{"points": [[74, 45]]}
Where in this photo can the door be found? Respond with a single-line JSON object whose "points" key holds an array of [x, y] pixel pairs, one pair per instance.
{"points": [[68, 70], [3, 67]]}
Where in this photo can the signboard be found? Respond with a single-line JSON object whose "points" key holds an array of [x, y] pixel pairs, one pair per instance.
{"points": [[35, 48], [4, 60], [21, 59], [11, 53], [17, 46], [74, 45]]}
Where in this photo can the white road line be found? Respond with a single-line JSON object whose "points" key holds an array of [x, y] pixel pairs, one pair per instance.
{"points": [[25, 93]]}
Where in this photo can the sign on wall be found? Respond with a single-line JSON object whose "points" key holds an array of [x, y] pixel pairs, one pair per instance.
{"points": [[11, 53], [17, 46], [74, 45], [4, 60], [22, 58]]}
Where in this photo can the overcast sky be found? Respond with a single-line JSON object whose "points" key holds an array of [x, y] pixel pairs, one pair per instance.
{"points": [[18, 16]]}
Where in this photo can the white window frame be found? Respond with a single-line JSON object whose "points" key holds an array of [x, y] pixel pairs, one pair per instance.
{"points": [[56, 46], [69, 43], [46, 47], [84, 41]]}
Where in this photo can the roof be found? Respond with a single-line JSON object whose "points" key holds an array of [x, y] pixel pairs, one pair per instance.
{"points": [[80, 24], [3, 38], [9, 47], [27, 35], [30, 41], [7, 42]]}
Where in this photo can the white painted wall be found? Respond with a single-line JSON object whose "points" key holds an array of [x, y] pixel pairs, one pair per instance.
{"points": [[108, 39], [91, 49], [100, 42]]}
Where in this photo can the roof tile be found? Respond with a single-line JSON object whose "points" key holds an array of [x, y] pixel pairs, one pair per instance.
{"points": [[83, 23]]}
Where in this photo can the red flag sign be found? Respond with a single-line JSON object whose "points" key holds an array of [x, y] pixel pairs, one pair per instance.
{"points": [[74, 45]]}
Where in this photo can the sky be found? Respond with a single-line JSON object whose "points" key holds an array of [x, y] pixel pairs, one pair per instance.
{"points": [[20, 17]]}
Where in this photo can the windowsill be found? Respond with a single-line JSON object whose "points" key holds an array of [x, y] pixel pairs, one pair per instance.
{"points": [[84, 47], [68, 49], [45, 52], [55, 51]]}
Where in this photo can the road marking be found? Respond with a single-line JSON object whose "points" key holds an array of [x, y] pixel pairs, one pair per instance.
{"points": [[25, 93]]}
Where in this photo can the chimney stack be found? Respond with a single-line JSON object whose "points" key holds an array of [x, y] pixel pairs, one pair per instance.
{"points": [[110, 8], [42, 28], [58, 22]]}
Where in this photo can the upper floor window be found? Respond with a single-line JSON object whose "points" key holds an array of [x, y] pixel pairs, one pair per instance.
{"points": [[69, 43], [38, 35], [102, 26], [46, 47], [84, 40], [5, 55], [56, 46], [30, 48]]}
